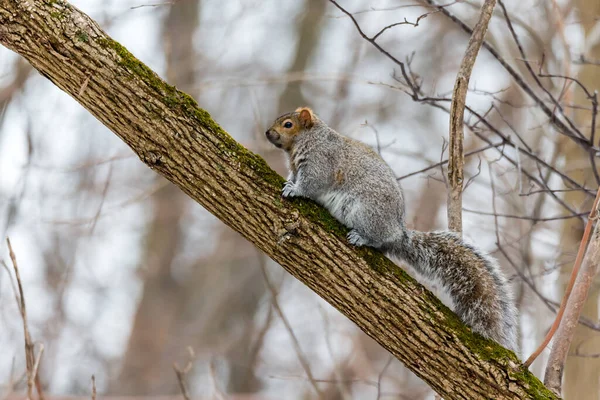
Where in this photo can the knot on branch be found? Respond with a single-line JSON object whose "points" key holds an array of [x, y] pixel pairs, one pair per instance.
{"points": [[152, 158], [289, 229]]}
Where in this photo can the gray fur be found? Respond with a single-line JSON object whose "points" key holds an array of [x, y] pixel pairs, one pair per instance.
{"points": [[360, 190]]}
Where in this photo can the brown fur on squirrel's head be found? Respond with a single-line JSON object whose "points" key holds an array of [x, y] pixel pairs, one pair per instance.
{"points": [[288, 126]]}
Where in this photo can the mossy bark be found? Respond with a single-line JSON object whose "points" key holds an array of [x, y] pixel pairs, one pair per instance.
{"points": [[180, 141]]}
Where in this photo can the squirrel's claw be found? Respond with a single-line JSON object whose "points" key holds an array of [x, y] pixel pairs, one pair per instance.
{"points": [[289, 189], [355, 238]]}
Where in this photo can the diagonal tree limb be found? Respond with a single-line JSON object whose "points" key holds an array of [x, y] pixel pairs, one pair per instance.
{"points": [[174, 137]]}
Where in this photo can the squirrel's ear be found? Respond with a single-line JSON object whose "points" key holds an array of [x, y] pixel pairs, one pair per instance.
{"points": [[305, 115]]}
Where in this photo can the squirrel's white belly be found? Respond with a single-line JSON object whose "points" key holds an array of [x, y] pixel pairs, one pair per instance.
{"points": [[341, 205]]}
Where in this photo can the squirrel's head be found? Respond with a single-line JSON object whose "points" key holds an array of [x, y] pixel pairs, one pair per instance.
{"points": [[288, 126]]}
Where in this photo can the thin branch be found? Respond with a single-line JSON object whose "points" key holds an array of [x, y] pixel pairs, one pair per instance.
{"points": [[301, 357], [457, 118], [93, 387], [583, 60], [36, 365], [575, 303], [166, 3], [569, 78], [405, 22], [405, 75], [532, 72], [443, 162], [431, 101], [524, 217], [29, 346], [558, 123], [594, 100], [376, 133], [380, 376], [568, 290], [181, 373], [508, 141], [410, 80], [518, 148], [213, 379]]}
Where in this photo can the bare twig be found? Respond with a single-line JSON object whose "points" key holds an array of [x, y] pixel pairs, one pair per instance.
{"points": [[535, 77], [566, 330], [29, 356], [524, 217], [376, 132], [579, 353], [561, 126], [213, 378], [166, 3], [380, 376], [574, 273], [457, 113], [93, 387], [446, 161], [23, 70], [409, 79], [32, 379], [586, 61], [182, 373], [288, 327]]}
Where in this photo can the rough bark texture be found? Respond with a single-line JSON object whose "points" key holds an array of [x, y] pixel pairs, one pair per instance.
{"points": [[181, 142]]}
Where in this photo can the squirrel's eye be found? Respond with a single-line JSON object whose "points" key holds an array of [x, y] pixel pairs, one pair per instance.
{"points": [[287, 125]]}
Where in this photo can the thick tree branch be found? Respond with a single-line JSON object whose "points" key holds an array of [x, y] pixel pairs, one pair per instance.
{"points": [[174, 137]]}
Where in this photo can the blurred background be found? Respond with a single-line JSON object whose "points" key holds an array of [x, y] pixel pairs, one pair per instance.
{"points": [[123, 274]]}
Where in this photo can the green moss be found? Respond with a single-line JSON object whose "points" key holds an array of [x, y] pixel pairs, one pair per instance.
{"points": [[532, 385], [82, 36], [278, 203], [319, 216], [58, 15], [174, 98], [487, 349]]}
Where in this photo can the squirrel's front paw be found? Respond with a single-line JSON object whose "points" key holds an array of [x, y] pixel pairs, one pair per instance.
{"points": [[289, 189], [355, 238]]}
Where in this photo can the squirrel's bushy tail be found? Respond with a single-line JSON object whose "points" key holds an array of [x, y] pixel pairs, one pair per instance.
{"points": [[479, 292]]}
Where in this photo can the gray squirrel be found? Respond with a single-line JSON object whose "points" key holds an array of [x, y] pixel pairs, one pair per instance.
{"points": [[359, 189]]}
